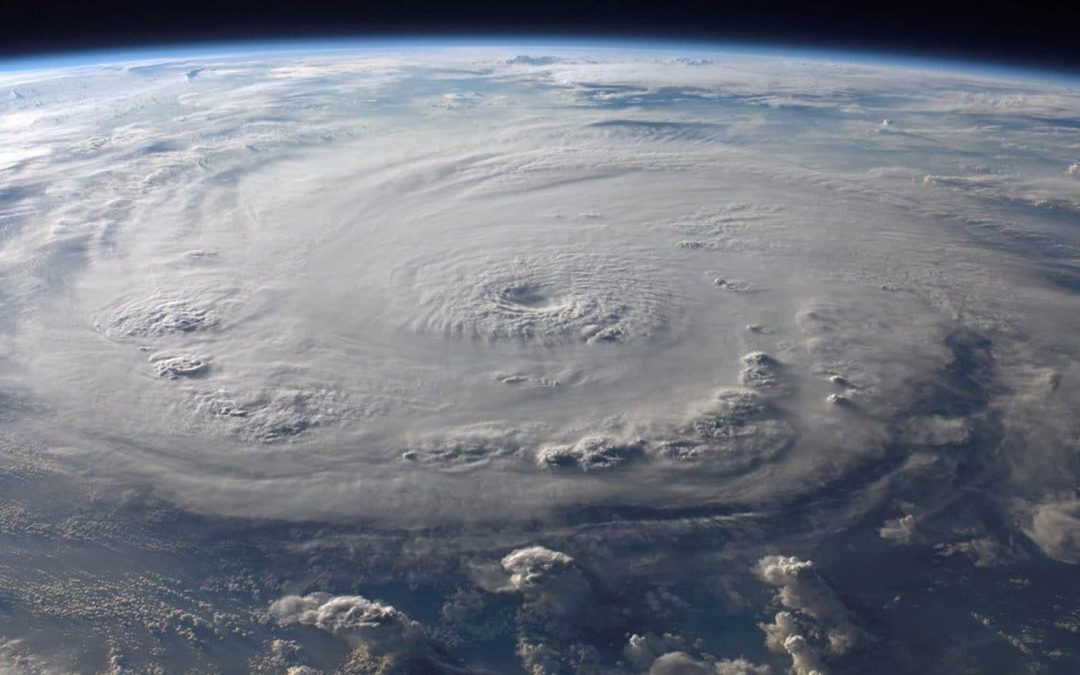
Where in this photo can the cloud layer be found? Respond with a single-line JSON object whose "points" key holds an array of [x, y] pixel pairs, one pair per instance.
{"points": [[578, 358]]}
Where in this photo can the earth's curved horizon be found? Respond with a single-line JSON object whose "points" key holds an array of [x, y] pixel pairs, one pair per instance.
{"points": [[494, 356]]}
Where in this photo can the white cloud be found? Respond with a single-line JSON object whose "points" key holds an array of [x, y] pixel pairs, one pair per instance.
{"points": [[740, 666], [592, 453], [815, 609], [667, 655], [535, 567], [900, 530], [380, 627], [550, 580], [1055, 527], [680, 663], [784, 636], [381, 638], [802, 589]]}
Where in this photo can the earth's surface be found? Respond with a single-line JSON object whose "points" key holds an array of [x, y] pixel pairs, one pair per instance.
{"points": [[408, 358]]}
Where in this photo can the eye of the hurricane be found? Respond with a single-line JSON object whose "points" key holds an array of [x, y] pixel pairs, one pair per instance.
{"points": [[531, 297], [554, 297]]}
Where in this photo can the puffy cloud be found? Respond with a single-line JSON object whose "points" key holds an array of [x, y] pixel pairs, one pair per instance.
{"points": [[680, 663], [556, 608], [16, 659], [761, 371], [641, 651], [667, 655], [1055, 528], [816, 609], [590, 453], [982, 551], [330, 613], [740, 430], [802, 589], [540, 658], [804, 658], [899, 530], [740, 666], [535, 567], [375, 623], [564, 609], [282, 656], [549, 579], [784, 636], [383, 639]]}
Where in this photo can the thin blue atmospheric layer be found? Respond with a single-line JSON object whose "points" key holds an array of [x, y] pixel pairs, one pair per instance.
{"points": [[406, 43]]}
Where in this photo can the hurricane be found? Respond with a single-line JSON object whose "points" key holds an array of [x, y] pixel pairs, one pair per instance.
{"points": [[538, 358]]}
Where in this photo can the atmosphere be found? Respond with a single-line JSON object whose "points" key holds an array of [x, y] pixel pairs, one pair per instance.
{"points": [[1039, 34]]}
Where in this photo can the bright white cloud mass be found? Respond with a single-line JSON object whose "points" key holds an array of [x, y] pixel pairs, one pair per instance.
{"points": [[580, 360]]}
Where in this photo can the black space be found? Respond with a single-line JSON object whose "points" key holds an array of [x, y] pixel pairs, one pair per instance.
{"points": [[1042, 34]]}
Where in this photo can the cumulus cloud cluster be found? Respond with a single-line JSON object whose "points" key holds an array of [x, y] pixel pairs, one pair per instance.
{"points": [[350, 615], [382, 639], [558, 606], [741, 430], [564, 607], [535, 568], [590, 453], [761, 371], [815, 624]]}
